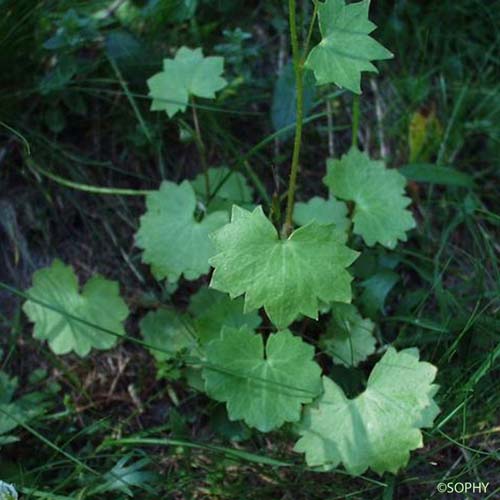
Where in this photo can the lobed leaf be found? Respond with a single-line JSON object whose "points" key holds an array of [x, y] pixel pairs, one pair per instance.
{"points": [[99, 304], [345, 49], [378, 428], [189, 73], [287, 277], [174, 242], [264, 386], [380, 214], [323, 212]]}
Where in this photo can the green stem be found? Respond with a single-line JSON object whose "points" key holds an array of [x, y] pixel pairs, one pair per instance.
{"points": [[84, 187], [311, 29], [298, 64], [201, 150], [131, 100], [355, 120]]}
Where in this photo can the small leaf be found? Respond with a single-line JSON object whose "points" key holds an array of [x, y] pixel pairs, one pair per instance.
{"points": [[287, 277], [322, 211], [380, 214], [233, 431], [376, 289], [349, 339], [189, 73], [127, 474], [212, 310], [264, 387], [99, 304], [380, 427], [232, 188], [345, 49], [174, 242], [167, 330], [425, 134]]}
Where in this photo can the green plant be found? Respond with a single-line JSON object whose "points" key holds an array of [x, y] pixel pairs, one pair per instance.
{"points": [[286, 271], [7, 492]]}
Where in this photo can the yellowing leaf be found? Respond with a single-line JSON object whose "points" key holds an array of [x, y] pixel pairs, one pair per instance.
{"points": [[99, 304], [189, 73], [424, 135], [345, 49], [287, 277]]}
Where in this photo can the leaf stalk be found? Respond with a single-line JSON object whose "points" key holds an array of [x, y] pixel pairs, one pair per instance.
{"points": [[298, 64], [200, 146]]}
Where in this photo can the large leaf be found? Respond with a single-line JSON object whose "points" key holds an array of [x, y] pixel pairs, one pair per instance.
{"points": [[265, 387], [99, 304], [168, 333], [345, 49], [380, 214], [286, 276], [188, 74], [322, 211], [378, 428], [174, 242], [349, 338], [211, 310]]}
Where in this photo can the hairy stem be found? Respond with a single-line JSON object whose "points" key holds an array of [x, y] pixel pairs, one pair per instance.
{"points": [[298, 63], [201, 150]]}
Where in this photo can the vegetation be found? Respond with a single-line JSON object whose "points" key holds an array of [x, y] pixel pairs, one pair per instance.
{"points": [[238, 263]]}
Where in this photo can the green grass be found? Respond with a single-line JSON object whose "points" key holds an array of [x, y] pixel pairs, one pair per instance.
{"points": [[69, 196]]}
